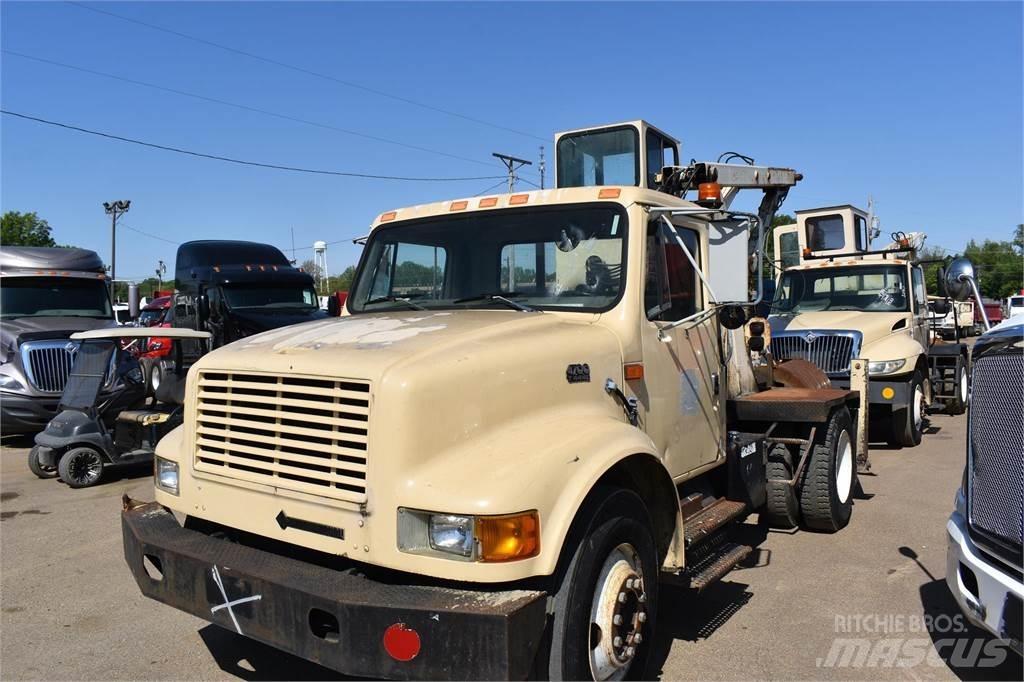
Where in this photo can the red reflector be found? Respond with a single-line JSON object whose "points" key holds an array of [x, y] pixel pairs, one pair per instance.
{"points": [[401, 643]]}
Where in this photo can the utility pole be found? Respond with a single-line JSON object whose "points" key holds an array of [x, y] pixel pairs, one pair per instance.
{"points": [[161, 270], [541, 166], [115, 210], [513, 164]]}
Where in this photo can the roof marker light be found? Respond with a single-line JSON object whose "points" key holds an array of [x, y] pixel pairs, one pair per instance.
{"points": [[488, 202], [459, 205], [709, 191], [517, 199], [390, 215], [609, 193]]}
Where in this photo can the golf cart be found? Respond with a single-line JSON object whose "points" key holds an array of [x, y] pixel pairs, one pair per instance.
{"points": [[90, 433]]}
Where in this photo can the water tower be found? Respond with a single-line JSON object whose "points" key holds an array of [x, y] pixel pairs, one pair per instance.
{"points": [[320, 263]]}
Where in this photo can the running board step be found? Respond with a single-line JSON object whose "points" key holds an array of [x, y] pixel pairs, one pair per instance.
{"points": [[716, 566], [710, 519]]}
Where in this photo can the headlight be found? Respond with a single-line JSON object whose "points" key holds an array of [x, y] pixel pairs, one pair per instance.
{"points": [[166, 475], [492, 538], [885, 366], [452, 534], [10, 383]]}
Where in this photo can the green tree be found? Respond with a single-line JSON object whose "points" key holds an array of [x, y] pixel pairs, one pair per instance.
{"points": [[25, 229], [998, 265]]}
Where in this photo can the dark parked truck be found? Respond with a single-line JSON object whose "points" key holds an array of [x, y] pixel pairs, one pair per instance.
{"points": [[46, 295], [984, 532], [235, 288]]}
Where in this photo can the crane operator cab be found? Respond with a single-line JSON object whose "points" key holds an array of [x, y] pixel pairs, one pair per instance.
{"points": [[611, 155], [823, 233]]}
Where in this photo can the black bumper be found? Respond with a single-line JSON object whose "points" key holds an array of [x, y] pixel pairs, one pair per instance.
{"points": [[26, 414], [331, 617]]}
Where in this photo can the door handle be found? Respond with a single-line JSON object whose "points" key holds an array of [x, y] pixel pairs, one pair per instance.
{"points": [[716, 384]]}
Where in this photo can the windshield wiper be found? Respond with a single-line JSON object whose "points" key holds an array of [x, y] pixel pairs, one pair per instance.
{"points": [[521, 307], [396, 299]]}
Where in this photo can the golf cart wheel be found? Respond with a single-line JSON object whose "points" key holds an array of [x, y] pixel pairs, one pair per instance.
{"points": [[81, 467], [907, 424], [37, 467], [156, 376], [958, 404], [826, 492]]}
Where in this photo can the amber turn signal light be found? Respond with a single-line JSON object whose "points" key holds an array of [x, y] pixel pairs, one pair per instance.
{"points": [[709, 191], [509, 536], [634, 371]]}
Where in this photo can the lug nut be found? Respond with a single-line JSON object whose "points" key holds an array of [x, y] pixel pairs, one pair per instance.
{"points": [[617, 641], [629, 652], [617, 619], [637, 638], [642, 617], [622, 597]]}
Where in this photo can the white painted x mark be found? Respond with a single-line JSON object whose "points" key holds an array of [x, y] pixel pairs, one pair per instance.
{"points": [[229, 603]]}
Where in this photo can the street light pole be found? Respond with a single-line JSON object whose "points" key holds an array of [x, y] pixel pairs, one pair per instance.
{"points": [[115, 210]]}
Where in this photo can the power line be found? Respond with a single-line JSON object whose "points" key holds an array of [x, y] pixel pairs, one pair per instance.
{"points": [[151, 236], [494, 186], [228, 159], [244, 107], [308, 72]]}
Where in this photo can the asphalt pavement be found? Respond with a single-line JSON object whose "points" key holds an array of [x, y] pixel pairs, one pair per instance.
{"points": [[869, 602]]}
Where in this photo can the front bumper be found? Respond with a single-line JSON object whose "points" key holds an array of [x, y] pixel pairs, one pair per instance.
{"points": [[996, 607], [21, 413], [900, 389], [331, 617]]}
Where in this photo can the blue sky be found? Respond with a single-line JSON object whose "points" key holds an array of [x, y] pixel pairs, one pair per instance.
{"points": [[918, 105]]}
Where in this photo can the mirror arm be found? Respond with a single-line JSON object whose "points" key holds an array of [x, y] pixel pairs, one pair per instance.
{"points": [[977, 299]]}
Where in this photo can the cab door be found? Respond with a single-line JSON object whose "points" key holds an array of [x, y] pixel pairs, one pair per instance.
{"points": [[922, 326], [683, 384]]}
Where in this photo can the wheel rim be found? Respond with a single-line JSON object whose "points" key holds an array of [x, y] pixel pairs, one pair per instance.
{"points": [[156, 377], [844, 466], [918, 407], [963, 385], [85, 467], [42, 467], [617, 614]]}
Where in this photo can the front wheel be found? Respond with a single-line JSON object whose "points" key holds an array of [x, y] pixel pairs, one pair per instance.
{"points": [[605, 602], [37, 468], [907, 424], [958, 404], [81, 467]]}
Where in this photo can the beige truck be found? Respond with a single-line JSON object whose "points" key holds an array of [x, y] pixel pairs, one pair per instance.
{"points": [[538, 407], [837, 299]]}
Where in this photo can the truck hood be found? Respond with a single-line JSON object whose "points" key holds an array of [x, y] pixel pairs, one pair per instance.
{"points": [[16, 331], [365, 346], [873, 326]]}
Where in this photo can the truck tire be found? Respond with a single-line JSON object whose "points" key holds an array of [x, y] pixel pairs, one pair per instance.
{"points": [[958, 404], [146, 367], [36, 467], [156, 376], [81, 467], [826, 492], [605, 601], [781, 508], [907, 424]]}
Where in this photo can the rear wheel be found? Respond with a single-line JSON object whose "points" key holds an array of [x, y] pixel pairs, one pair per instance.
{"points": [[826, 492], [81, 467], [907, 425], [958, 404], [605, 601], [37, 468], [156, 377], [781, 509]]}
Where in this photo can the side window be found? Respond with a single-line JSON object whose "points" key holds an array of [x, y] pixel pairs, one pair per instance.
{"points": [[861, 230], [660, 153], [789, 245], [826, 233], [672, 285], [920, 295]]}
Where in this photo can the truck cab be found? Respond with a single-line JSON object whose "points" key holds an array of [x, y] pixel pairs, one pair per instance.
{"points": [[236, 288], [539, 407], [46, 295], [837, 299]]}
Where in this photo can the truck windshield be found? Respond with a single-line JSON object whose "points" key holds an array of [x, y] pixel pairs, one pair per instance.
{"points": [[564, 258], [54, 297], [244, 297], [881, 288], [151, 317]]}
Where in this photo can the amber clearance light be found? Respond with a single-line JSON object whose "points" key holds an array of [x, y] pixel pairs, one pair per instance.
{"points": [[709, 191], [508, 537]]}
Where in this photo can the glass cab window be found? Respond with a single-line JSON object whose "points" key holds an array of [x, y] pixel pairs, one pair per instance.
{"points": [[789, 247], [920, 295], [672, 289], [826, 233], [605, 157], [661, 152]]}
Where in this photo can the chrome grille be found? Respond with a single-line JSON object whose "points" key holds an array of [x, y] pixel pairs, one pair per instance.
{"points": [[48, 363], [830, 352], [996, 469], [295, 432]]}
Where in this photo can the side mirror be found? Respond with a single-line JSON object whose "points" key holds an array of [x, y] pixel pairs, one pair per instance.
{"points": [[958, 277], [940, 307], [732, 316], [333, 305], [940, 281], [133, 301], [203, 307]]}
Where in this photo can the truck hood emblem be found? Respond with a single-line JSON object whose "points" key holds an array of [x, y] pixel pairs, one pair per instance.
{"points": [[810, 336]]}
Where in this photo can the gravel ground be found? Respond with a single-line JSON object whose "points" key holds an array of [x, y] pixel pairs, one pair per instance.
{"points": [[71, 610]]}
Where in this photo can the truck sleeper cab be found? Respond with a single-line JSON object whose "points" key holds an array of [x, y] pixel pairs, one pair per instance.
{"points": [[484, 469]]}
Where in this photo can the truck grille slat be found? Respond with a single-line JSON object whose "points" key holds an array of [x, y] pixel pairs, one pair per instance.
{"points": [[829, 351], [48, 363], [292, 432], [996, 427]]}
